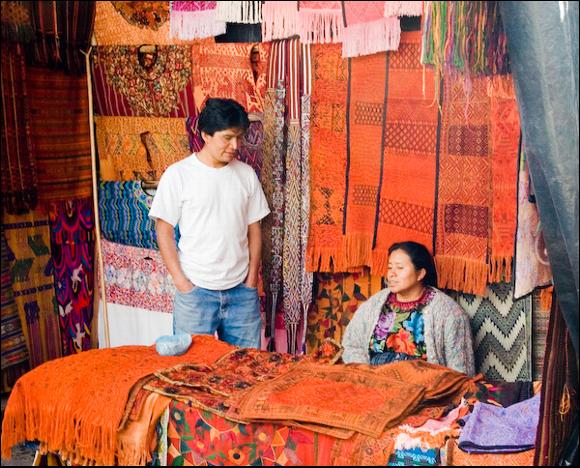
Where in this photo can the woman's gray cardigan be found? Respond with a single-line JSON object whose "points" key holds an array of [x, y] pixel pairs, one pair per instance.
{"points": [[447, 332]]}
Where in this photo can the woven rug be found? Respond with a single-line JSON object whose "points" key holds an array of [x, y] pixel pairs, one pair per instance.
{"points": [[137, 277], [502, 332], [59, 128], [225, 71], [463, 193], [139, 148], [328, 159], [29, 256], [19, 182], [88, 382], [532, 267], [405, 203], [128, 82], [72, 243], [313, 393]]}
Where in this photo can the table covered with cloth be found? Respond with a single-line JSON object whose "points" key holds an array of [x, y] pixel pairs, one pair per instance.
{"points": [[221, 405]]}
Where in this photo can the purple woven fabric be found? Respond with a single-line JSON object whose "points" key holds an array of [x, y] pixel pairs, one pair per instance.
{"points": [[491, 429]]}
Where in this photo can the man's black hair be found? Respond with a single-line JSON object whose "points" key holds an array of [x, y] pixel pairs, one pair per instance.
{"points": [[221, 114]]}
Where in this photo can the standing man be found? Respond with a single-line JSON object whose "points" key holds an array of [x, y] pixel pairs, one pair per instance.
{"points": [[218, 203]]}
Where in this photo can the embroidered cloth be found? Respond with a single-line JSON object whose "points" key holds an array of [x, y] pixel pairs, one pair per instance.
{"points": [[144, 14]]}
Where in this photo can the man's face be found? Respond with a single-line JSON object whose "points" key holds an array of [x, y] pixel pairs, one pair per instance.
{"points": [[223, 145]]}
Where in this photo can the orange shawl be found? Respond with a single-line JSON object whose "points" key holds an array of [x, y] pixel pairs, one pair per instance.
{"points": [[75, 404]]}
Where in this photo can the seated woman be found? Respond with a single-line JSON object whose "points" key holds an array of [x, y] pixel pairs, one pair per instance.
{"points": [[411, 319]]}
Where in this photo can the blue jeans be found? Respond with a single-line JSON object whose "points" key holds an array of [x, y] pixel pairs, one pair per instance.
{"points": [[234, 313]]}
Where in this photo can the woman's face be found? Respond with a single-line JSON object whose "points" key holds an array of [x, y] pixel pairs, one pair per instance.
{"points": [[402, 275]]}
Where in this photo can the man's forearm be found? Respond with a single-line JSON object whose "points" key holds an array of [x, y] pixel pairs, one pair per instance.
{"points": [[255, 248]]}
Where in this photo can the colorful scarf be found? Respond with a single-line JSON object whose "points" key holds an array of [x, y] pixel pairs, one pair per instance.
{"points": [[126, 84], [279, 20], [59, 128], [367, 30], [225, 71], [195, 20], [31, 273], [328, 159], [19, 182], [14, 351], [240, 12], [72, 242], [88, 382], [140, 148], [320, 22], [137, 277]]}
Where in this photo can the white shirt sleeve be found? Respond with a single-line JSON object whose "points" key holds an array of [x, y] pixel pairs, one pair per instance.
{"points": [[257, 204], [167, 202]]}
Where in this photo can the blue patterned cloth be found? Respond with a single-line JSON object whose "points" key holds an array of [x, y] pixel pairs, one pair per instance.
{"points": [[124, 214]]}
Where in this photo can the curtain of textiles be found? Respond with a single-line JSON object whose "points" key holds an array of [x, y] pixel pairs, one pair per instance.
{"points": [[72, 242]]}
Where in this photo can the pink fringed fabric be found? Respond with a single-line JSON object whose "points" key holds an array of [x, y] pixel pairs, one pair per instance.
{"points": [[320, 22], [367, 30], [403, 8], [279, 20], [195, 20]]}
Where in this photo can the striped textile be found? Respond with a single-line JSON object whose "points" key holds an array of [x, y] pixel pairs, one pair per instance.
{"points": [[31, 268], [72, 242], [14, 350], [59, 127], [124, 214], [123, 87], [19, 182]]}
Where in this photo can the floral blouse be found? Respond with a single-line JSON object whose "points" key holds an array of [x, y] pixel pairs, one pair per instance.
{"points": [[398, 334]]}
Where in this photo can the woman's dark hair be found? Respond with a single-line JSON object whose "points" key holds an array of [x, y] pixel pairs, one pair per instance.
{"points": [[221, 114], [421, 258]]}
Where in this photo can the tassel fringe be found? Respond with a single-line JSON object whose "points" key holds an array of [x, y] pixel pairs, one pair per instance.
{"points": [[247, 12], [500, 269], [187, 26], [369, 38], [461, 274], [279, 20], [403, 8], [320, 26]]}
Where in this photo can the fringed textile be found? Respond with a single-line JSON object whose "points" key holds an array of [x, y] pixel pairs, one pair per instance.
{"points": [[31, 268], [19, 180], [139, 148], [247, 12], [72, 243], [150, 15], [338, 297], [367, 30], [502, 333], [80, 430], [124, 214], [225, 71], [403, 8], [463, 192], [403, 204], [14, 350], [63, 30], [195, 20], [505, 138], [137, 277], [559, 407], [320, 22], [16, 22], [279, 20], [113, 28], [532, 266], [59, 128], [328, 159], [129, 82]]}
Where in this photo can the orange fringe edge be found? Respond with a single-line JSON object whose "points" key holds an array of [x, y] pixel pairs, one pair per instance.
{"points": [[460, 274], [61, 431], [353, 252], [546, 297], [500, 269]]}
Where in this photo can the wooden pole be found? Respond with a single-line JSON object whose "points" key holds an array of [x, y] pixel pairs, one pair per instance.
{"points": [[96, 200]]}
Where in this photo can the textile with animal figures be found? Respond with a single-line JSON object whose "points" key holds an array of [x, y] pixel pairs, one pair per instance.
{"points": [[19, 182], [225, 71], [139, 147], [59, 128], [90, 381], [31, 267], [137, 277], [72, 243], [128, 82]]}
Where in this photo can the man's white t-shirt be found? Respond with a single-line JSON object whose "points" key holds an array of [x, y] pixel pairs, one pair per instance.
{"points": [[213, 208]]}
